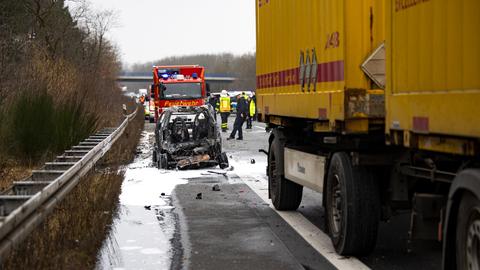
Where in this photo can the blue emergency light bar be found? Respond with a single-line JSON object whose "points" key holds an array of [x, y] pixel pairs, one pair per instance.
{"points": [[174, 74], [167, 73]]}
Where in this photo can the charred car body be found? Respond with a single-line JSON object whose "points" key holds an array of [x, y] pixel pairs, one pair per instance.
{"points": [[188, 137]]}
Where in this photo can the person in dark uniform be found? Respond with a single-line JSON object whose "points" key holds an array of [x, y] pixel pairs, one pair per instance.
{"points": [[242, 110], [213, 100]]}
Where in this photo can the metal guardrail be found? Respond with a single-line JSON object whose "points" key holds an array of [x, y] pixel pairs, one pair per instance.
{"points": [[26, 203]]}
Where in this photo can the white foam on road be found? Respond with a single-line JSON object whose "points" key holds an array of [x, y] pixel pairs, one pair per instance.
{"points": [[150, 251], [130, 248], [254, 175], [144, 186], [145, 215]]}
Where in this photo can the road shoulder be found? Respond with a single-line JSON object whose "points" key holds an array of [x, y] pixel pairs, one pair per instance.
{"points": [[234, 228]]}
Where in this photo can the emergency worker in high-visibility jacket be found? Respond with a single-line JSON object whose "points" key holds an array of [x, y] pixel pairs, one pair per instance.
{"points": [[251, 112], [224, 109]]}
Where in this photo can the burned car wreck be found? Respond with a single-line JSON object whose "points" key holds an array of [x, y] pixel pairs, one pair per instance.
{"points": [[188, 138]]}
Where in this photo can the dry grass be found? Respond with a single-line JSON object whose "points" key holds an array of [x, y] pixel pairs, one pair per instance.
{"points": [[11, 171], [72, 235], [15, 169]]}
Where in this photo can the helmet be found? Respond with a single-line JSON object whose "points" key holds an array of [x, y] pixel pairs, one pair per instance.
{"points": [[224, 93]]}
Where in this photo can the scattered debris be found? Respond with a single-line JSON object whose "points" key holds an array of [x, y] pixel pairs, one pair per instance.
{"points": [[192, 162], [148, 207], [216, 188], [163, 193], [199, 196], [263, 151], [252, 161], [221, 173]]}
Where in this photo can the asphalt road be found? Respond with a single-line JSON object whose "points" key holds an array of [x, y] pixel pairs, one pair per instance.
{"points": [[164, 223]]}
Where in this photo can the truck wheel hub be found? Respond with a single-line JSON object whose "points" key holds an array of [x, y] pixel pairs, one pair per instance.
{"points": [[336, 205], [473, 245]]}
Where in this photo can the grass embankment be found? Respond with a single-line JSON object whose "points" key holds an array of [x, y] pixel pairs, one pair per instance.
{"points": [[57, 81], [72, 235], [35, 129]]}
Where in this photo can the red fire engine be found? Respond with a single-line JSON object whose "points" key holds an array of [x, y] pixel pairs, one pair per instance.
{"points": [[178, 86]]}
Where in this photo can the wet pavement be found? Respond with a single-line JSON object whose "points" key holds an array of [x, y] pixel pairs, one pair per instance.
{"points": [[175, 220], [142, 233]]}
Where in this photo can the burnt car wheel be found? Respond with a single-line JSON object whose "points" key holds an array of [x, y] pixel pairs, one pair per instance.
{"points": [[162, 161], [223, 161], [154, 156]]}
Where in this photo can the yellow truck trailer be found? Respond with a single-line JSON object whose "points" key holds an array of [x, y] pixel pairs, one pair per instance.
{"points": [[311, 53], [375, 104]]}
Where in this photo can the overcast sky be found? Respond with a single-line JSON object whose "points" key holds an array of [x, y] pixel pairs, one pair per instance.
{"points": [[148, 30]]}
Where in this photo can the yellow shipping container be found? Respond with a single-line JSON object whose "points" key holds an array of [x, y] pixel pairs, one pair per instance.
{"points": [[309, 55], [433, 74]]}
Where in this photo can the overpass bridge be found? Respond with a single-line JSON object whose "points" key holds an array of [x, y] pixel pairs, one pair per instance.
{"points": [[138, 80]]}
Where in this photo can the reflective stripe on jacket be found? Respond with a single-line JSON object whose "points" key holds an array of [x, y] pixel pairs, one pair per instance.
{"points": [[252, 108], [224, 104]]}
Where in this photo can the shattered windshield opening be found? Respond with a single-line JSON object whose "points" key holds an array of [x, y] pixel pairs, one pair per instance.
{"points": [[182, 91]]}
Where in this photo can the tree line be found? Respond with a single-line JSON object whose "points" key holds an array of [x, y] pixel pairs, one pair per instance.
{"points": [[240, 66], [57, 76]]}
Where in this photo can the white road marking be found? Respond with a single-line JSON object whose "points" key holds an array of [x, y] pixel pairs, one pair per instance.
{"points": [[311, 233]]}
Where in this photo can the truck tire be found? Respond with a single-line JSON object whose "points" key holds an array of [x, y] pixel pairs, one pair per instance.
{"points": [[352, 206], [285, 194], [468, 233]]}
